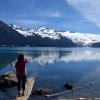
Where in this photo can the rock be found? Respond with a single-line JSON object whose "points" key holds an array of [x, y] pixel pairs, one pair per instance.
{"points": [[68, 86], [41, 91], [7, 80]]}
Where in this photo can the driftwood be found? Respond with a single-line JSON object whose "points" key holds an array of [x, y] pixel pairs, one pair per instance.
{"points": [[28, 89]]}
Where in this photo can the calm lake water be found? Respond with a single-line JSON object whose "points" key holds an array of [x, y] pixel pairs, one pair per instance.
{"points": [[53, 67]]}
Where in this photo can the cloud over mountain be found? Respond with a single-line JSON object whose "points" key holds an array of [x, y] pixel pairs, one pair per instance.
{"points": [[88, 8]]}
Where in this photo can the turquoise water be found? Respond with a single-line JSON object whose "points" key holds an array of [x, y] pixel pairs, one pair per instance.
{"points": [[53, 67]]}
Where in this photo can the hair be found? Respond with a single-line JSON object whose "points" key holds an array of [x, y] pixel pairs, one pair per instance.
{"points": [[20, 58]]}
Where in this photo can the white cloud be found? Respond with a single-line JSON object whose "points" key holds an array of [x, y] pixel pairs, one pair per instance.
{"points": [[52, 14], [89, 9]]}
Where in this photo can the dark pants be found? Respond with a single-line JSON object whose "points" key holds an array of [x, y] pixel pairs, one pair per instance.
{"points": [[21, 83]]}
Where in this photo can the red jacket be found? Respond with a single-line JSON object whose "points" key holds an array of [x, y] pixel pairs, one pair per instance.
{"points": [[20, 68]]}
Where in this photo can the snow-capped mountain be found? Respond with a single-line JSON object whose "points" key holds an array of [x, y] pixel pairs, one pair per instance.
{"points": [[81, 39], [84, 39], [46, 32], [24, 32], [13, 35], [42, 31]]}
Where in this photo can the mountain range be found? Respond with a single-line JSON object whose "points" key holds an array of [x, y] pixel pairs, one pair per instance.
{"points": [[12, 35]]}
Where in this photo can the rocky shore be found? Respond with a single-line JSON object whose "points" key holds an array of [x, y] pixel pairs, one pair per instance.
{"points": [[8, 90], [7, 80]]}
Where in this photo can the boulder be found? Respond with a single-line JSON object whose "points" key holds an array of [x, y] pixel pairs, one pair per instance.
{"points": [[7, 80], [41, 91], [68, 86]]}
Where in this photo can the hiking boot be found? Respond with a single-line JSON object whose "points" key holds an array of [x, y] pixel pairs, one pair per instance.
{"points": [[19, 94], [22, 93]]}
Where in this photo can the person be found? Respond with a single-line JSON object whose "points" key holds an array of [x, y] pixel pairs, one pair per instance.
{"points": [[21, 73]]}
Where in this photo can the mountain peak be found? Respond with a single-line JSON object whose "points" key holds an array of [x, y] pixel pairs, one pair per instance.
{"points": [[47, 32], [82, 39], [14, 26], [22, 31]]}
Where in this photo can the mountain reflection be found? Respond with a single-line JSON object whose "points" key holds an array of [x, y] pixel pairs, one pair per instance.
{"points": [[65, 56], [76, 66], [50, 57]]}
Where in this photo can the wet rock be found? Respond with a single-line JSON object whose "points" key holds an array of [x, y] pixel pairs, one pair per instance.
{"points": [[7, 80], [41, 91], [68, 86]]}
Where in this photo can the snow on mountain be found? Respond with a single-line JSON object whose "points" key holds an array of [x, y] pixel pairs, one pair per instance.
{"points": [[45, 32], [25, 32], [82, 39]]}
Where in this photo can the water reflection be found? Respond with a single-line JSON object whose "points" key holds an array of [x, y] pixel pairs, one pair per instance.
{"points": [[43, 58], [56, 67], [51, 57]]}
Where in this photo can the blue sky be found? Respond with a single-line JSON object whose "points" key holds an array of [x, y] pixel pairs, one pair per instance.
{"points": [[71, 15]]}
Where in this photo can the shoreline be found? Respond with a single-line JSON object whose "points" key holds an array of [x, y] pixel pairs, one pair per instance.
{"points": [[8, 93]]}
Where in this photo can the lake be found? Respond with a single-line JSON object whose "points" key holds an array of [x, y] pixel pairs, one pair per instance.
{"points": [[53, 67]]}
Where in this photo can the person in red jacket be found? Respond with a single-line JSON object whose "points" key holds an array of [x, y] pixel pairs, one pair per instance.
{"points": [[21, 73]]}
